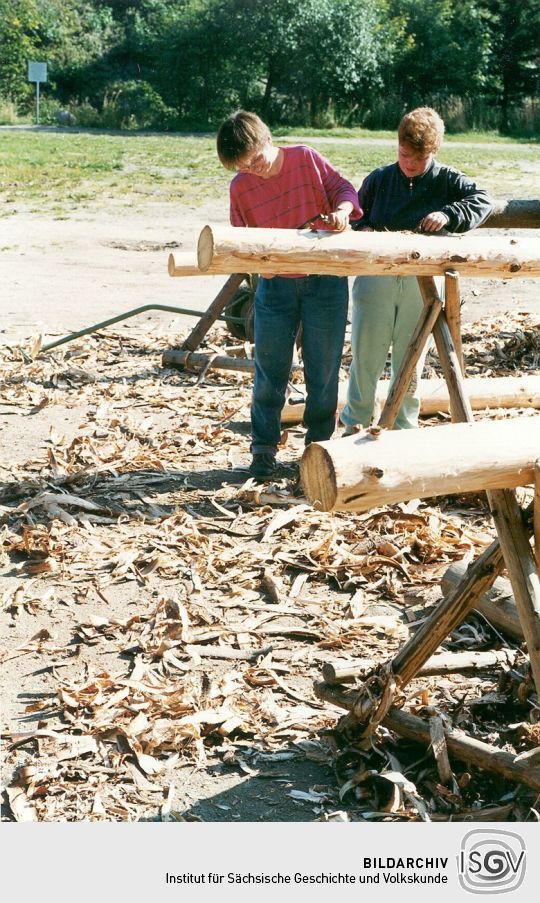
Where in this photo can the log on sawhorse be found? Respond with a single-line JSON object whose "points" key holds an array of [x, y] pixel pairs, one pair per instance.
{"points": [[281, 251], [373, 703], [371, 468]]}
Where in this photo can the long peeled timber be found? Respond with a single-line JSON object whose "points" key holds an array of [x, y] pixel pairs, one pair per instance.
{"points": [[482, 392], [229, 249], [366, 471]]}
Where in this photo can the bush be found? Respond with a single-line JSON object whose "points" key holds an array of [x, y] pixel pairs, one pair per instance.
{"points": [[86, 116], [9, 114], [126, 105], [134, 105], [48, 111]]}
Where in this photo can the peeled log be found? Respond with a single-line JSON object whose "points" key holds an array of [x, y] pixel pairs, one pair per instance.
{"points": [[483, 392], [366, 471], [230, 249], [184, 263]]}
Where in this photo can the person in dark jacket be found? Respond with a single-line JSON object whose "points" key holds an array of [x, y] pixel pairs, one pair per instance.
{"points": [[415, 193]]}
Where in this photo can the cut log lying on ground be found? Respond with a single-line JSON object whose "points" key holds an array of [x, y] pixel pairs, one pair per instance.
{"points": [[462, 747], [497, 605], [199, 360], [483, 392], [373, 469], [273, 251], [442, 663], [193, 360]]}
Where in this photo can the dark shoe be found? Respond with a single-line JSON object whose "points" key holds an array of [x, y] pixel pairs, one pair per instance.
{"points": [[263, 465]]}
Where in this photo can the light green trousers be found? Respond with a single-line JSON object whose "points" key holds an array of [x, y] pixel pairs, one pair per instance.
{"points": [[385, 313]]}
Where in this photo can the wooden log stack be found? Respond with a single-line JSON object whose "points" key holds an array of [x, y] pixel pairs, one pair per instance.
{"points": [[385, 467], [229, 249]]}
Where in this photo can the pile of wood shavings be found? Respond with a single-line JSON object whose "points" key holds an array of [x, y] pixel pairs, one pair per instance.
{"points": [[236, 603]]}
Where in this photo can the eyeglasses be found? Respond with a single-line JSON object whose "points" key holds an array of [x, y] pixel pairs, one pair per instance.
{"points": [[252, 163]]}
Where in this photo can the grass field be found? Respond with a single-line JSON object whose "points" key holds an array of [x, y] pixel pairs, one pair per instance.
{"points": [[58, 173], [459, 137]]}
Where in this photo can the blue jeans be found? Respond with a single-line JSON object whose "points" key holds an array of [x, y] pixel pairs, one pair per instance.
{"points": [[319, 304]]}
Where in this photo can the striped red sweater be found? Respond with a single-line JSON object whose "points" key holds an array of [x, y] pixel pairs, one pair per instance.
{"points": [[307, 184]]}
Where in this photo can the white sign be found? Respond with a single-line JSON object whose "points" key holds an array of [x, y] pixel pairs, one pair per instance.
{"points": [[37, 72]]}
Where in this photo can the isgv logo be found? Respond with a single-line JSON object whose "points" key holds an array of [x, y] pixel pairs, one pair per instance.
{"points": [[491, 862]]}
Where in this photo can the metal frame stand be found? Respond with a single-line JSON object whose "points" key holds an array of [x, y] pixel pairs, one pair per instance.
{"points": [[206, 319]]}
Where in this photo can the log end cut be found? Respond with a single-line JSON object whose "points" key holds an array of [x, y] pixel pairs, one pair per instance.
{"points": [[205, 248], [171, 264], [318, 477]]}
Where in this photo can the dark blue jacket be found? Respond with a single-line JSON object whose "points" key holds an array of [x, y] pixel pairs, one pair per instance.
{"points": [[392, 201]]}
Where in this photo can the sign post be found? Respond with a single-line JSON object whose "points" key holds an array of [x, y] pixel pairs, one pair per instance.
{"points": [[37, 72]]}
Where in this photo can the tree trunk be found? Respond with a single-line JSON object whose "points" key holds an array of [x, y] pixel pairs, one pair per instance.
{"points": [[268, 88]]}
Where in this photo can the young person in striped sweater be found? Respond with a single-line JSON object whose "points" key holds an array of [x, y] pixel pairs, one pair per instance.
{"points": [[283, 188]]}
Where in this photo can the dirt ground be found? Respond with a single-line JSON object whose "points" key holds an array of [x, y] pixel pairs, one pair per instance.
{"points": [[170, 532]]}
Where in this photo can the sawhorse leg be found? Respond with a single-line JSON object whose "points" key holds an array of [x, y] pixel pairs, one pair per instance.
{"points": [[512, 547], [504, 508], [216, 308]]}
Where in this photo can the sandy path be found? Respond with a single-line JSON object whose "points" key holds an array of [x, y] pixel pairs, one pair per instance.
{"points": [[60, 275]]}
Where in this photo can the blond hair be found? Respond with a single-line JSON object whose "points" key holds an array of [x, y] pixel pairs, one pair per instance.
{"points": [[241, 133], [423, 130]]}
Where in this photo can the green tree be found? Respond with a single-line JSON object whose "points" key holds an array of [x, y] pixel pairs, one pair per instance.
{"points": [[19, 43], [514, 59], [323, 56], [67, 34], [289, 59], [445, 49]]}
